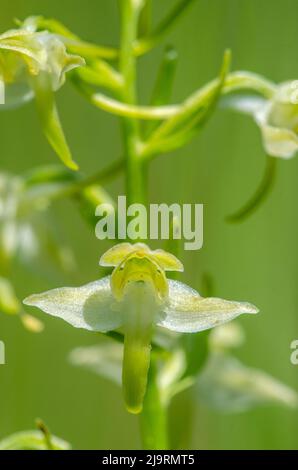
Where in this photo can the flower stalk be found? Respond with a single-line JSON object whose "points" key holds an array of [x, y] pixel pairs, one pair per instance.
{"points": [[137, 297], [135, 171]]}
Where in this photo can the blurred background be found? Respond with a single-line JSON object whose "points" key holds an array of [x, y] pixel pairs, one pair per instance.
{"points": [[256, 260]]}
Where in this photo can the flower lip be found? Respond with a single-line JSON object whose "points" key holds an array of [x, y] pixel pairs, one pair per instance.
{"points": [[138, 268], [137, 263]]}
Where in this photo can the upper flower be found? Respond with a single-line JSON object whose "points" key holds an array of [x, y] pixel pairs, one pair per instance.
{"points": [[136, 297], [34, 64], [277, 118]]}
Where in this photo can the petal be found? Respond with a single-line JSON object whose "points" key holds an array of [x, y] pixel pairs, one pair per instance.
{"points": [[42, 52], [188, 312], [57, 62], [248, 104], [167, 261], [227, 336], [15, 34], [279, 142], [15, 95], [116, 254], [50, 121], [20, 47], [91, 306]]}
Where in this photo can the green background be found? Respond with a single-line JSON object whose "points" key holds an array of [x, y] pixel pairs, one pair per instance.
{"points": [[255, 260]]}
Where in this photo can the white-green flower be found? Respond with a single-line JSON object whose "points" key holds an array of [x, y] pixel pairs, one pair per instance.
{"points": [[228, 385], [137, 297], [277, 118], [224, 383], [35, 64], [27, 238], [24, 233]]}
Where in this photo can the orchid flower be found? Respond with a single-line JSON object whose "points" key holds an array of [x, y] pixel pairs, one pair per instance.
{"points": [[228, 385], [137, 297], [277, 118], [35, 64]]}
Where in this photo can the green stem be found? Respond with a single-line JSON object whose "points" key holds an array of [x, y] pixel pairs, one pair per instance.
{"points": [[153, 416], [46, 433], [135, 170], [153, 419], [174, 114], [71, 184], [145, 44], [137, 112], [102, 176]]}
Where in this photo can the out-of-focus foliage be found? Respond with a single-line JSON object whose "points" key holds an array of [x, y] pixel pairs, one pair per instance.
{"points": [[224, 383]]}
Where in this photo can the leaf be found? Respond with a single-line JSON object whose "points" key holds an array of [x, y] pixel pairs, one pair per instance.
{"points": [[147, 43], [50, 121], [193, 113], [163, 86], [145, 19], [188, 312], [91, 307]]}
